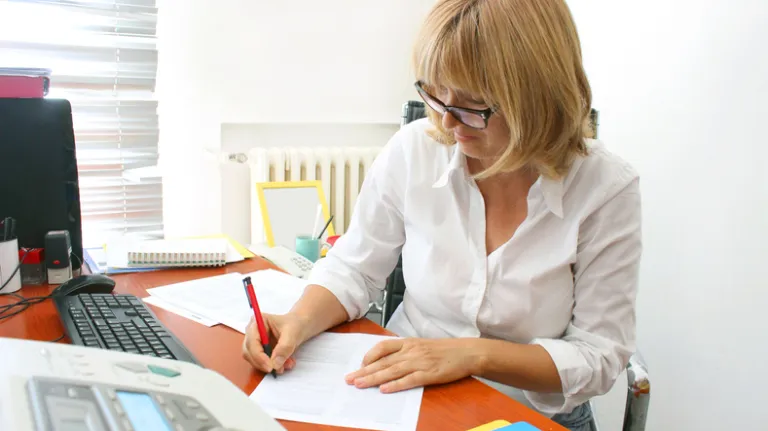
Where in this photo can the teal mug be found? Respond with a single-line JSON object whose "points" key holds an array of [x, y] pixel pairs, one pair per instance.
{"points": [[310, 247]]}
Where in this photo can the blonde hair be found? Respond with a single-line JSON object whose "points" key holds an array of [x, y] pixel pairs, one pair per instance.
{"points": [[523, 57]]}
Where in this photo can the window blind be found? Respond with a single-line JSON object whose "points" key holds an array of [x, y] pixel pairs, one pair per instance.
{"points": [[103, 59]]}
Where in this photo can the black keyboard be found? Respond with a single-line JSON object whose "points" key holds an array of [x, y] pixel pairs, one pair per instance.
{"points": [[118, 322]]}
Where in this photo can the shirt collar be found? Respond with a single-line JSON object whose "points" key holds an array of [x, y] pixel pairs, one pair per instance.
{"points": [[552, 190], [458, 162]]}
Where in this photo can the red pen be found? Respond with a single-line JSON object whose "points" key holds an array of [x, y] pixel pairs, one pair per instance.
{"points": [[254, 304]]}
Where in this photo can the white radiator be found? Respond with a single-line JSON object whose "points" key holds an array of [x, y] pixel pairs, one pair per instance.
{"points": [[340, 169]]}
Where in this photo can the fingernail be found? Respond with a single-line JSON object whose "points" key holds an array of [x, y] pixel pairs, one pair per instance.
{"points": [[279, 361]]}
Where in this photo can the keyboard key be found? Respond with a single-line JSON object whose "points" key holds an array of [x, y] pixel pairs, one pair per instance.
{"points": [[132, 350], [145, 350], [131, 313]]}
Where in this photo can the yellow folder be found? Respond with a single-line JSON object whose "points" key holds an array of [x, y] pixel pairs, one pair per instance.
{"points": [[490, 426]]}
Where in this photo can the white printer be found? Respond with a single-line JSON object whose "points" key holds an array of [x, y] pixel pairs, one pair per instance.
{"points": [[60, 387]]}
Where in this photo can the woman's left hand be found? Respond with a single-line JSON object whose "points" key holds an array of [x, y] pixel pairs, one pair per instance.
{"points": [[405, 363]]}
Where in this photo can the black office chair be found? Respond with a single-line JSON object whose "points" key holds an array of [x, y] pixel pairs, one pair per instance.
{"points": [[395, 288], [639, 386]]}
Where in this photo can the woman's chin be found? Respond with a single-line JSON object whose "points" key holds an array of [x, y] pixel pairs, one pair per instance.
{"points": [[472, 149]]}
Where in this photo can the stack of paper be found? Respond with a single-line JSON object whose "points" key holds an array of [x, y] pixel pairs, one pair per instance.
{"points": [[221, 299], [315, 391]]}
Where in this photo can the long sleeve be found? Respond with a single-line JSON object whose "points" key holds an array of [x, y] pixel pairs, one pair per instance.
{"points": [[356, 268], [600, 339]]}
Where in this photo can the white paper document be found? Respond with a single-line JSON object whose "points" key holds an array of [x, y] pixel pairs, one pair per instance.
{"points": [[222, 298], [315, 390], [161, 303]]}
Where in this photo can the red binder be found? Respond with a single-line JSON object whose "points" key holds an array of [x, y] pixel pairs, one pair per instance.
{"points": [[24, 83]]}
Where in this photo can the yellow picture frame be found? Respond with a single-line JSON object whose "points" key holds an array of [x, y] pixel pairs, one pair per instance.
{"points": [[307, 184]]}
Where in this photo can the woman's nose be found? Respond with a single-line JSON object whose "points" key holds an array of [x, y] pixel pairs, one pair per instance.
{"points": [[449, 121]]}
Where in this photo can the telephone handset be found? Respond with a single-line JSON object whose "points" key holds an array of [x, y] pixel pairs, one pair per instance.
{"points": [[287, 260]]}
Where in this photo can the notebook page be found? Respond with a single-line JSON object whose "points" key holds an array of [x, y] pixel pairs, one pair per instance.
{"points": [[315, 390]]}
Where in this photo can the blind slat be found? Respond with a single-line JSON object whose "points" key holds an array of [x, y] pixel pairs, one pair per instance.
{"points": [[148, 6], [103, 58]]}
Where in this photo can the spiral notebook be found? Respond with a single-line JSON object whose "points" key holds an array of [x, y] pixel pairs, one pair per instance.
{"points": [[178, 253]]}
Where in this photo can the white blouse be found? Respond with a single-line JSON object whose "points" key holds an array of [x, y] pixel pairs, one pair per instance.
{"points": [[566, 280]]}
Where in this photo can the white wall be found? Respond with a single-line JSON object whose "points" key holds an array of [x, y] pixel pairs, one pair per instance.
{"points": [[682, 87], [269, 62]]}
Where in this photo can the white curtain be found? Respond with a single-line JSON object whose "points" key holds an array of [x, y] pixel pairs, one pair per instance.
{"points": [[103, 59]]}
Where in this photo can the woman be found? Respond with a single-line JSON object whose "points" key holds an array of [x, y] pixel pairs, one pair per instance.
{"points": [[520, 238]]}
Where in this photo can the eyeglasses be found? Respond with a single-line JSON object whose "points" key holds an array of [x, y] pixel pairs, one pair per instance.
{"points": [[474, 118]]}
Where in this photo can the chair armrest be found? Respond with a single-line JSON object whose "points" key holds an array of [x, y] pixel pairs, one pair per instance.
{"points": [[638, 394]]}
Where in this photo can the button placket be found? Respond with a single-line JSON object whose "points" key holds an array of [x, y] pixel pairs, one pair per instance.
{"points": [[473, 299]]}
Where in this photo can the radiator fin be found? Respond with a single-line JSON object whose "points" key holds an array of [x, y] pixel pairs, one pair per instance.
{"points": [[340, 169]]}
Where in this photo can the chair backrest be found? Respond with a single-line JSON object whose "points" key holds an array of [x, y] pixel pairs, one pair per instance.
{"points": [[412, 110], [395, 289]]}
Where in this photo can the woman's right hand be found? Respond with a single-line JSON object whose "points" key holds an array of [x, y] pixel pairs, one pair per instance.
{"points": [[286, 333]]}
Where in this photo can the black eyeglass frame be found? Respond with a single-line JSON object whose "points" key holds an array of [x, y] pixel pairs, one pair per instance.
{"points": [[485, 114]]}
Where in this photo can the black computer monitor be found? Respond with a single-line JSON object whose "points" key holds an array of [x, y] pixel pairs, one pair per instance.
{"points": [[38, 171]]}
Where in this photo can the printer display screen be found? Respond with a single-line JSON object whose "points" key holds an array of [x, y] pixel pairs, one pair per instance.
{"points": [[142, 411]]}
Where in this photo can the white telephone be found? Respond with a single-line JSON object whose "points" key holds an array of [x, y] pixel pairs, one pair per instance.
{"points": [[287, 260]]}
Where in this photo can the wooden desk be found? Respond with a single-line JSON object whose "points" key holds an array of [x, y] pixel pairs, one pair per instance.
{"points": [[458, 406]]}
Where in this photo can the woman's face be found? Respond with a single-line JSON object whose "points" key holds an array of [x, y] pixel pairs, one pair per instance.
{"points": [[486, 144]]}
